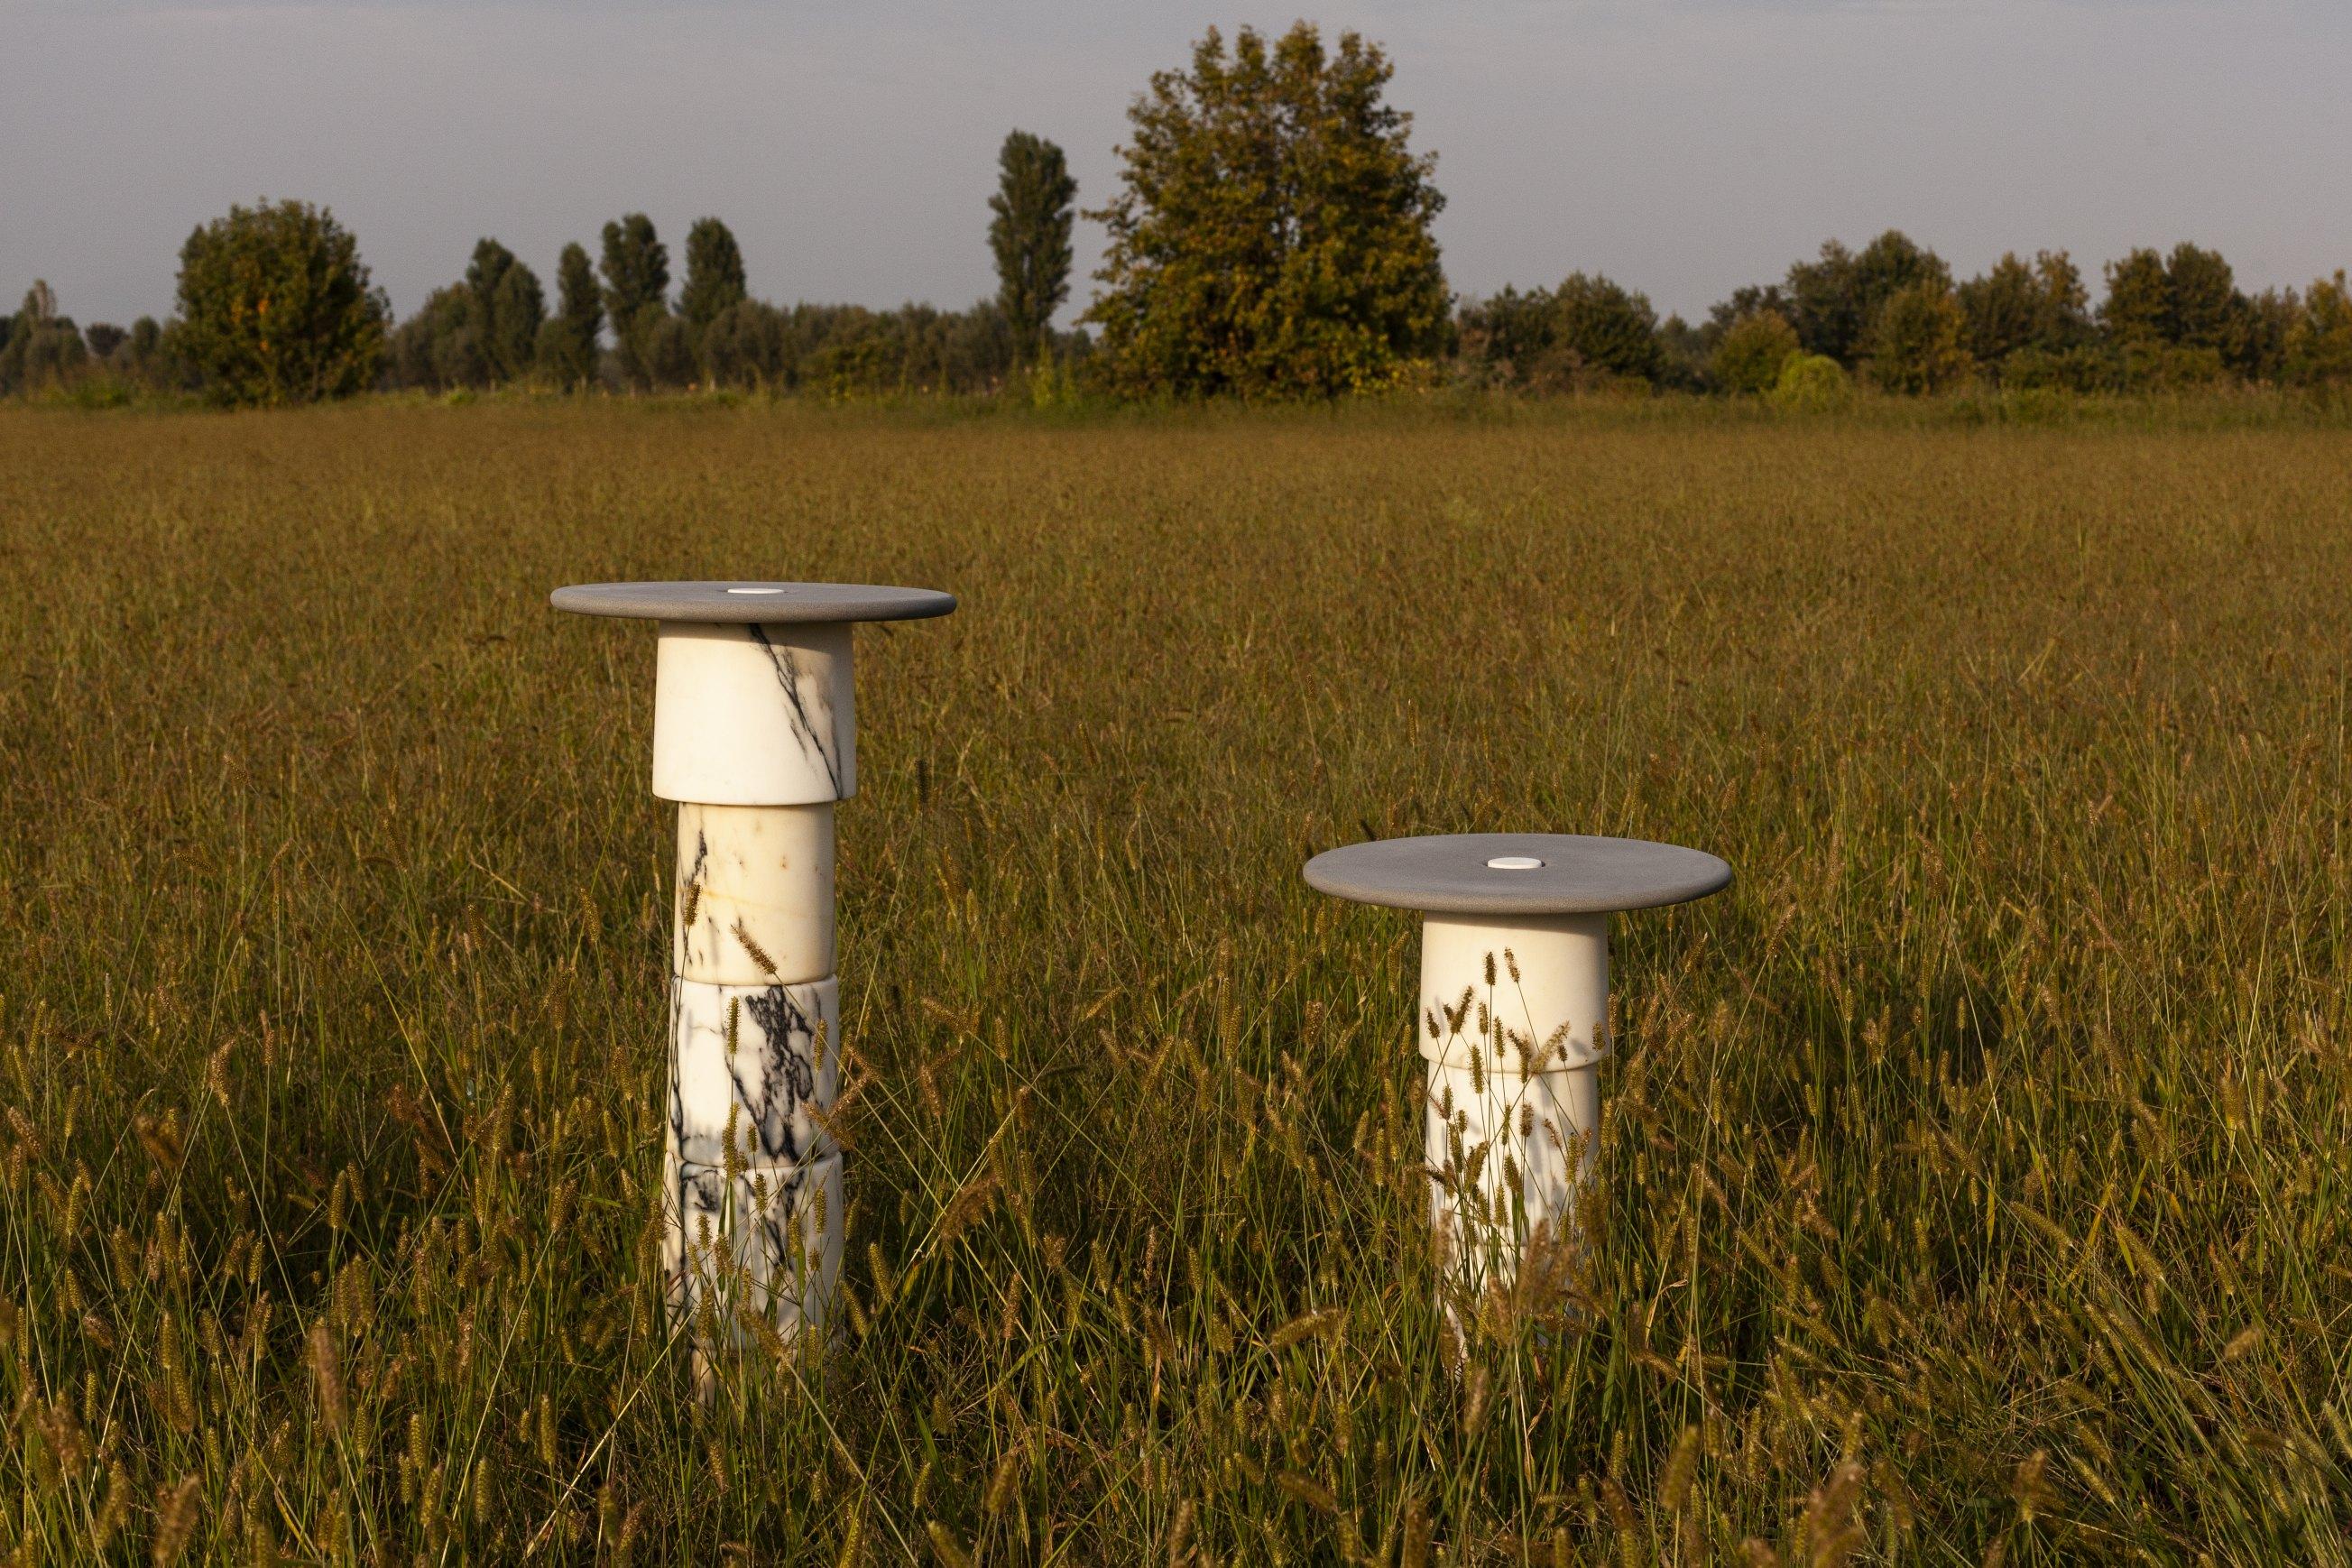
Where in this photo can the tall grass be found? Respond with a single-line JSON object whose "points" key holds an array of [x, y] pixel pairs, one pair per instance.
{"points": [[1973, 1174]]}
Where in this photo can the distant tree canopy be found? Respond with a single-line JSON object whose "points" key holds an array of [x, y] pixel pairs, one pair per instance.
{"points": [[715, 280], [480, 332], [636, 268], [637, 294], [2015, 306], [509, 306], [276, 307], [38, 347], [1835, 300], [1029, 236], [1915, 339], [2318, 348], [567, 342], [1588, 331], [1272, 236], [1752, 350]]}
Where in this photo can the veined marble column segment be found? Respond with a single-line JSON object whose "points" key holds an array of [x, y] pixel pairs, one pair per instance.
{"points": [[748, 1062], [753, 714], [1513, 1014], [767, 1240], [754, 894], [755, 738]]}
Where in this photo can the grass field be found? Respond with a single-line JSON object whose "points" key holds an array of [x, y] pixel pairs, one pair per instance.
{"points": [[1975, 1170]]}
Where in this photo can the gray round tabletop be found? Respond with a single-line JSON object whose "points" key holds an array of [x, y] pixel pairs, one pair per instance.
{"points": [[1517, 874], [765, 604]]}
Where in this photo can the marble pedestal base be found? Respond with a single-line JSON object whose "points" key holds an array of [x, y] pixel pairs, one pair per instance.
{"points": [[766, 1243]]}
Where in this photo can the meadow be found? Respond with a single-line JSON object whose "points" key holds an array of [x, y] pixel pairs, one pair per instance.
{"points": [[1974, 1175]]}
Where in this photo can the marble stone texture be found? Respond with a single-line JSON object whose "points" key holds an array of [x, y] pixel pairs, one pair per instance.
{"points": [[754, 894], [769, 1241], [1557, 1006], [753, 715], [751, 1053], [1494, 1135]]}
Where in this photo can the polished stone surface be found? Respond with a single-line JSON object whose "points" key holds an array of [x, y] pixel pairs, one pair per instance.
{"points": [[753, 894], [1546, 1005], [754, 1058], [753, 715], [773, 604], [767, 1242], [1572, 874]]}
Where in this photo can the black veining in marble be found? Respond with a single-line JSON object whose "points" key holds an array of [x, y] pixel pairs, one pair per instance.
{"points": [[813, 736]]}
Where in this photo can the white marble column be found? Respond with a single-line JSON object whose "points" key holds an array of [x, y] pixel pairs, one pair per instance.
{"points": [[1513, 1018], [755, 738], [1514, 1023]]}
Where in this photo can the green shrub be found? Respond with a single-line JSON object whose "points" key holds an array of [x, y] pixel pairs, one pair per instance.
{"points": [[1812, 384], [1754, 350]]}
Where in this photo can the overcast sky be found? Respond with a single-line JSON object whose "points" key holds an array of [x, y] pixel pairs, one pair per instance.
{"points": [[1681, 146]]}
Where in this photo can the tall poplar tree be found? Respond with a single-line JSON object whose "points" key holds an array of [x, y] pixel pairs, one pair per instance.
{"points": [[567, 344], [637, 291], [714, 273], [509, 306], [1030, 236]]}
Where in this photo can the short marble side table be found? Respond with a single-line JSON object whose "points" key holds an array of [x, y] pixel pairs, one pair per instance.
{"points": [[755, 738], [1514, 1014]]}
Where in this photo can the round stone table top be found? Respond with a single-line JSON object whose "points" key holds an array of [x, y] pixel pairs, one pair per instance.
{"points": [[764, 603], [1517, 874]]}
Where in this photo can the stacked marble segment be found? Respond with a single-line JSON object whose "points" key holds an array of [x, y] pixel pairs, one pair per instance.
{"points": [[755, 738], [1514, 1023]]}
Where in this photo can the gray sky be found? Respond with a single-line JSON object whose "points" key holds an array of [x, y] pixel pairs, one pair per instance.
{"points": [[1681, 146]]}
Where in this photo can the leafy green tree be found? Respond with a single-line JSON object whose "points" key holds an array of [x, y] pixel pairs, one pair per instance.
{"points": [[1507, 336], [1823, 305], [517, 311], [2139, 306], [1835, 301], [2015, 308], [714, 273], [1685, 349], [1029, 236], [2203, 309], [443, 344], [143, 355], [567, 341], [1273, 234], [665, 347], [103, 338], [1586, 332], [743, 346], [2003, 310], [508, 306], [1915, 345], [2267, 324], [1608, 328], [2319, 346], [636, 288], [1751, 354], [276, 307], [42, 348], [1748, 299]]}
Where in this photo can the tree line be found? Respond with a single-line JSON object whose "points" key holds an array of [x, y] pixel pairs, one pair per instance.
{"points": [[1272, 236]]}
